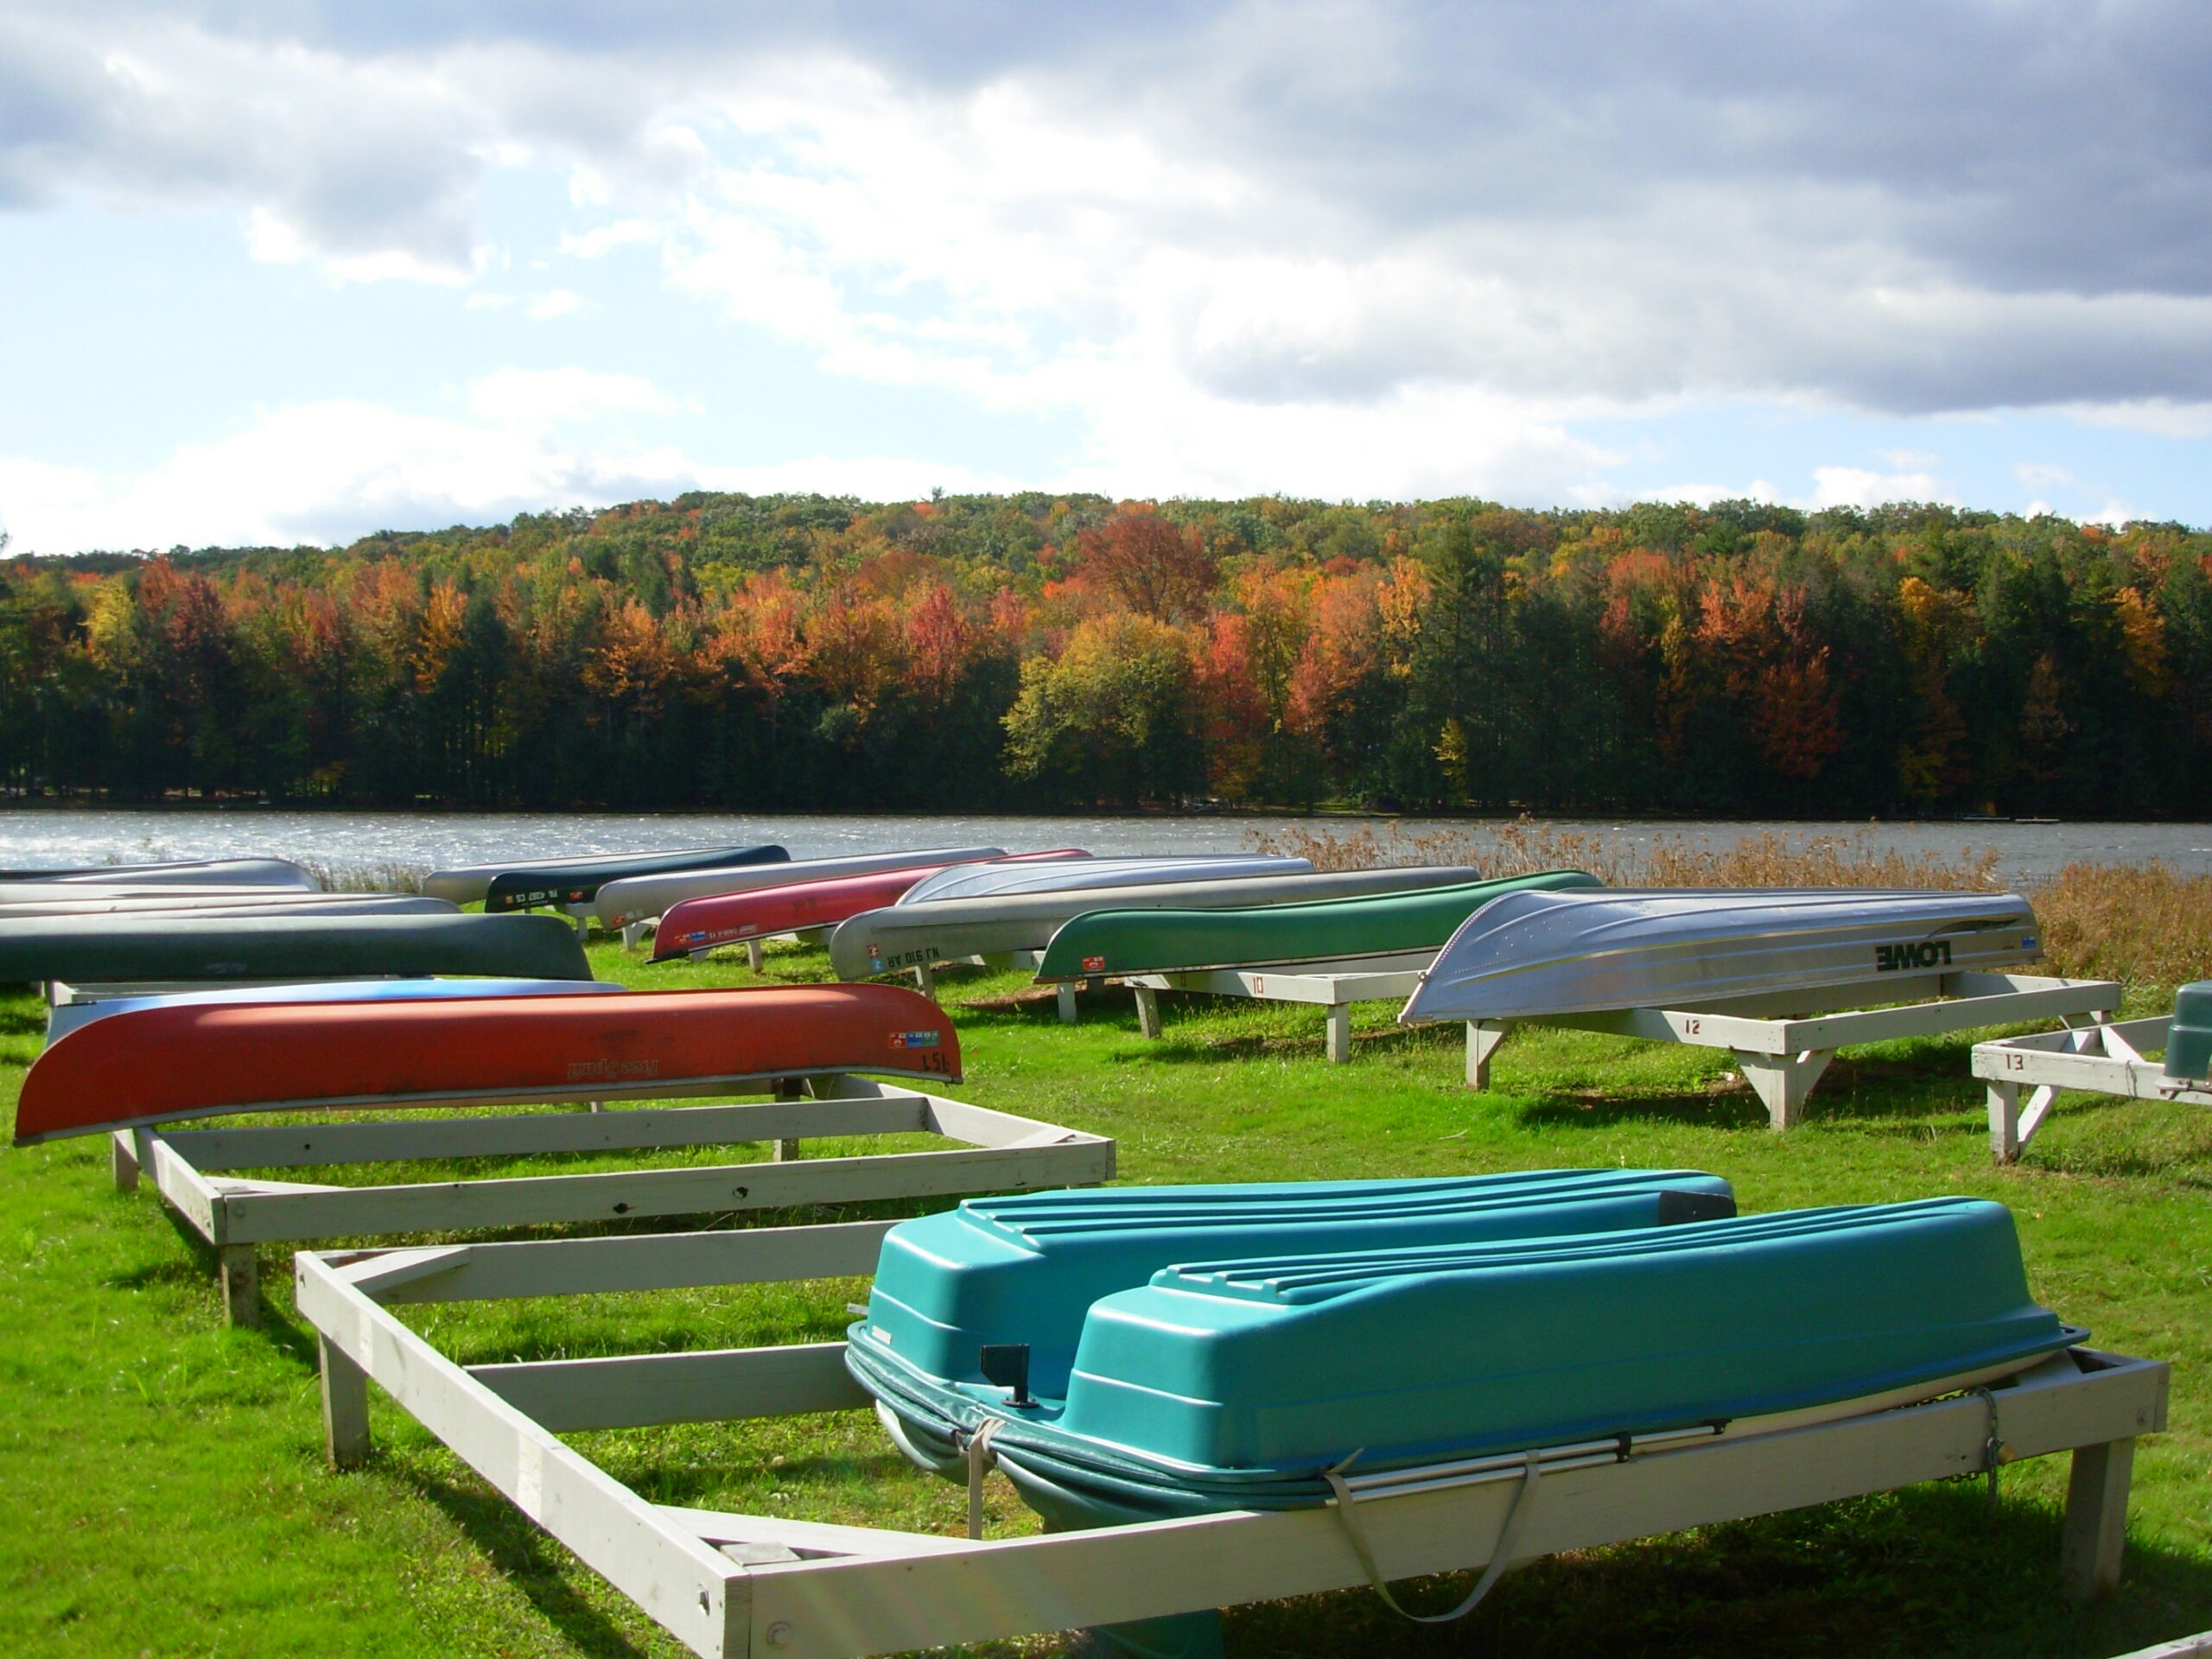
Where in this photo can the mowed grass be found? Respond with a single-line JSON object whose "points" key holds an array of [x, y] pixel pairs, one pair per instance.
{"points": [[167, 1495]]}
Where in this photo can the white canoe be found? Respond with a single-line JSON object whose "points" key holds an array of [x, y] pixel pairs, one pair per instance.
{"points": [[218, 901], [1532, 953], [66, 1017], [637, 898], [1066, 875], [913, 936], [196, 872]]}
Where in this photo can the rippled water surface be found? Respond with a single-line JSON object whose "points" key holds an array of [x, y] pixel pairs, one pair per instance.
{"points": [[33, 837]]}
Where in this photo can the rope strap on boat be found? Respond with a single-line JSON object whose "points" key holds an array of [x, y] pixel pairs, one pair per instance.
{"points": [[1508, 1535], [981, 1459]]}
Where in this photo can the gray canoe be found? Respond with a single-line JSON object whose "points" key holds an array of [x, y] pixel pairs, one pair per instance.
{"points": [[913, 936], [190, 872], [468, 884], [636, 898], [1065, 875], [222, 901], [89, 949], [1531, 954]]}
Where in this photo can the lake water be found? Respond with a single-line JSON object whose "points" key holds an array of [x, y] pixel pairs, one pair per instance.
{"points": [[33, 837]]}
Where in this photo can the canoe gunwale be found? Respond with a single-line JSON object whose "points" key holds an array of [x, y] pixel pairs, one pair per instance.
{"points": [[686, 1088]]}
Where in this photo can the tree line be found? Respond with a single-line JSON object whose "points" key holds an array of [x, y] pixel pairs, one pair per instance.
{"points": [[1035, 651]]}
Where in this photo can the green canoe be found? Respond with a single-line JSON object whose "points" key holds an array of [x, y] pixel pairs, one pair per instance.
{"points": [[1328, 930], [91, 949]]}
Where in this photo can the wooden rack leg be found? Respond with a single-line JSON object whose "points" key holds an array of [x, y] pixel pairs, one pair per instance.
{"points": [[1483, 1038], [1067, 1001], [1147, 1010], [753, 955], [2096, 1518], [634, 935], [1339, 1033], [241, 1273], [123, 1160], [925, 980], [2005, 1121], [344, 1407], [1783, 1082]]}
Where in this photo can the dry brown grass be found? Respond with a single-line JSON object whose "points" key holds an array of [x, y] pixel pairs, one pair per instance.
{"points": [[1524, 845], [2146, 924]]}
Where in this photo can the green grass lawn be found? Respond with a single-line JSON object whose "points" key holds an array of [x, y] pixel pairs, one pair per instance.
{"points": [[165, 1493]]}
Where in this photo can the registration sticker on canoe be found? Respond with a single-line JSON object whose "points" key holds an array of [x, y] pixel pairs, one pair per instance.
{"points": [[1094, 964], [913, 1039]]}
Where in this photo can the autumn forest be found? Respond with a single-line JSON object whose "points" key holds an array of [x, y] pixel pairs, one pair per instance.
{"points": [[1037, 651]]}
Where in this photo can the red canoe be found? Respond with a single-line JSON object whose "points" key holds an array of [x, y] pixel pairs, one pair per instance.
{"points": [[696, 924], [152, 1066]]}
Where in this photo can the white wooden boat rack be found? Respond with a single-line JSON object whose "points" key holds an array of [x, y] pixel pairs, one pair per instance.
{"points": [[1783, 1041], [1002, 1154], [2107, 1058], [730, 1584], [1331, 985]]}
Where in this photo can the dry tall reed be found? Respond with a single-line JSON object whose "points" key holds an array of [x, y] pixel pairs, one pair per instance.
{"points": [[1523, 846], [2146, 924]]}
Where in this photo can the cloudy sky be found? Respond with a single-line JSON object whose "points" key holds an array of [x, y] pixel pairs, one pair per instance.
{"points": [[278, 270]]}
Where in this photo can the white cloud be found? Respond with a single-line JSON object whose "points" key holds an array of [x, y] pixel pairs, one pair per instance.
{"points": [[529, 399], [1343, 245], [328, 472], [1855, 486]]}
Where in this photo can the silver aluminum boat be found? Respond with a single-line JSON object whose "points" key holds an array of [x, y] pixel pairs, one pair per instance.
{"points": [[637, 898], [950, 930], [216, 901], [193, 872], [1532, 953], [1065, 875]]}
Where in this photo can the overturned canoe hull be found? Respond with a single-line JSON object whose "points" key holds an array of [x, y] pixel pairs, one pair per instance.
{"points": [[639, 897], [468, 884], [572, 884], [194, 871], [160, 1064], [701, 925], [83, 949], [1061, 874], [1332, 929], [909, 935], [66, 1017], [1534, 954], [220, 901]]}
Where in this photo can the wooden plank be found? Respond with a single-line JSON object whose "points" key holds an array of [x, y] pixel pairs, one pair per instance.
{"points": [[680, 1581], [345, 1407], [571, 1266], [533, 1200], [123, 1162], [818, 1537], [288, 1145], [638, 1390], [182, 1186], [239, 1267], [832, 1609], [1936, 1019], [2095, 1538], [979, 1125]]}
